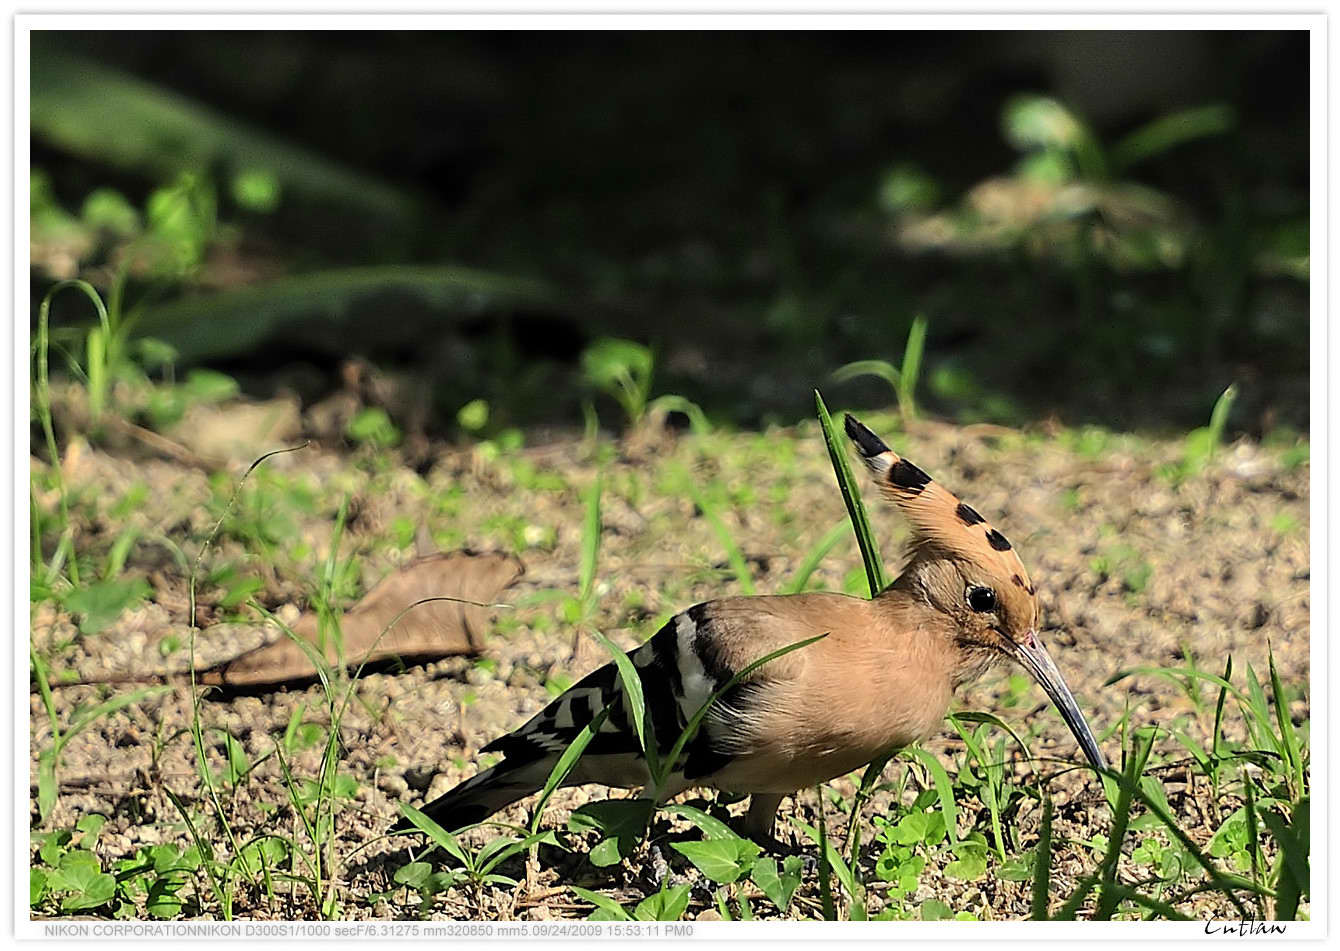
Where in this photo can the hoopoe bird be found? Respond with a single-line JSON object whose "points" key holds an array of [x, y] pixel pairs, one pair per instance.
{"points": [[879, 678]]}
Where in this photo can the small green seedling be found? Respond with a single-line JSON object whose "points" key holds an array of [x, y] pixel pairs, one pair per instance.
{"points": [[901, 379]]}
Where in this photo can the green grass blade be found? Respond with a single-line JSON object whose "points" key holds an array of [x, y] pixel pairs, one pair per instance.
{"points": [[1177, 677], [42, 401], [1288, 738], [734, 556], [825, 867], [565, 764], [1107, 898], [220, 888], [943, 786], [637, 706], [833, 861], [881, 368], [814, 557], [1218, 733], [605, 904], [1121, 893], [691, 728], [977, 752], [873, 771], [88, 717], [673, 402], [851, 495], [1253, 823], [1261, 721], [1219, 415], [1166, 132], [439, 835], [1072, 904], [1042, 863], [911, 370], [1295, 874]]}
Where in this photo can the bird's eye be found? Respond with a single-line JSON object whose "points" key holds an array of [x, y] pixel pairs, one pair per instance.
{"points": [[981, 599]]}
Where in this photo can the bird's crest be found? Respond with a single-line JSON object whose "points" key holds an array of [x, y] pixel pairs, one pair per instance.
{"points": [[939, 519]]}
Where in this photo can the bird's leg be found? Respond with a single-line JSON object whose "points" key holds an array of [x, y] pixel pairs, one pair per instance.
{"points": [[758, 822]]}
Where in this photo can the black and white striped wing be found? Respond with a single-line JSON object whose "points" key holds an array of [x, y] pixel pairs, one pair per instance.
{"points": [[680, 668]]}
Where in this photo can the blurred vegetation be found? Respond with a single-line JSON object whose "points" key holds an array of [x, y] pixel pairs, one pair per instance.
{"points": [[1103, 228]]}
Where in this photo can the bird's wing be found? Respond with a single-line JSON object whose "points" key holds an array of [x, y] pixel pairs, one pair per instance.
{"points": [[695, 654]]}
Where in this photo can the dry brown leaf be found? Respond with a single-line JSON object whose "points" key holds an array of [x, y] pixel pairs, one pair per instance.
{"points": [[435, 629]]}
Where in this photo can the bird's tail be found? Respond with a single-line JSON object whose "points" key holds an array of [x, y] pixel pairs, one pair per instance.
{"points": [[481, 796]]}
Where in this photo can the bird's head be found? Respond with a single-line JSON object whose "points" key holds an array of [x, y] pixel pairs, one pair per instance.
{"points": [[970, 572]]}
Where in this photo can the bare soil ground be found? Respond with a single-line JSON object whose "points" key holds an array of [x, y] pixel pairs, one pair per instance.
{"points": [[1132, 570]]}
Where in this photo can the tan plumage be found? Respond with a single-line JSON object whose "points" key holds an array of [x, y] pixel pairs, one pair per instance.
{"points": [[881, 678]]}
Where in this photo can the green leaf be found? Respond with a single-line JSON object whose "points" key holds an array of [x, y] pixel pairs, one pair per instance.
{"points": [[209, 386], [46, 785], [621, 822], [372, 426], [673, 402], [102, 602], [435, 832], [970, 862], [722, 860], [711, 826], [474, 415], [414, 875], [37, 886], [89, 826], [162, 900], [908, 187], [778, 886], [1038, 122], [98, 891], [669, 904], [932, 909], [918, 828], [1288, 737], [164, 858], [622, 368], [607, 909], [80, 874], [1295, 882], [107, 208], [256, 190], [53, 846], [262, 854]]}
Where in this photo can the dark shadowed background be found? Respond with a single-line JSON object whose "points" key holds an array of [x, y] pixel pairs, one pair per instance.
{"points": [[1098, 227]]}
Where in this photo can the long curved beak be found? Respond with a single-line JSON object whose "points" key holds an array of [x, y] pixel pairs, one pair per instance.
{"points": [[1039, 663]]}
